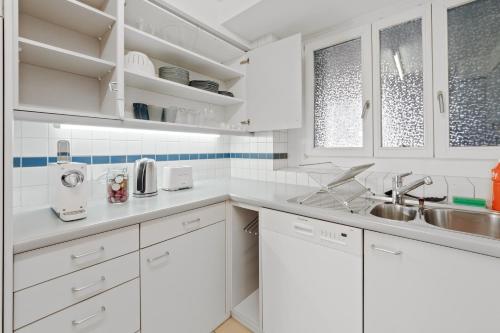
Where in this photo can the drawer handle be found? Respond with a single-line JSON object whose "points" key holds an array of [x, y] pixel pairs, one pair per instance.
{"points": [[380, 249], [81, 321], [86, 254], [166, 254], [186, 224], [90, 285]]}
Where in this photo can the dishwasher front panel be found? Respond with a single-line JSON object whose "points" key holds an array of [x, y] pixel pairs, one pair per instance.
{"points": [[311, 275]]}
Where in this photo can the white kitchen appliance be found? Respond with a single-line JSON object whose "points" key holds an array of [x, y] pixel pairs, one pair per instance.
{"points": [[177, 177], [67, 185], [312, 275]]}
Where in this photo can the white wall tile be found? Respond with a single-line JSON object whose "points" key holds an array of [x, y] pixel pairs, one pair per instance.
{"points": [[482, 188], [35, 147], [34, 176], [35, 129], [100, 147], [459, 187], [34, 196], [81, 147]]}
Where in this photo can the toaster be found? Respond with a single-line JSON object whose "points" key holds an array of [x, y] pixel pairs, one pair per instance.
{"points": [[177, 178], [68, 190]]}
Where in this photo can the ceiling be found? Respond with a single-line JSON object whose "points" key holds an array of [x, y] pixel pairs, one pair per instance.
{"points": [[286, 17]]}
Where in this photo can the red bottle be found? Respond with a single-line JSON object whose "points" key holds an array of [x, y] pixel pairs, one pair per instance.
{"points": [[495, 180]]}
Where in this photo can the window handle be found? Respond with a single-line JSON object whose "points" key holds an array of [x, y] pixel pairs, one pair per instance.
{"points": [[366, 106], [440, 97]]}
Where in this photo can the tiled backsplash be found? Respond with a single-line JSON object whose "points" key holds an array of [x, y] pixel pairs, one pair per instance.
{"points": [[211, 156], [261, 157]]}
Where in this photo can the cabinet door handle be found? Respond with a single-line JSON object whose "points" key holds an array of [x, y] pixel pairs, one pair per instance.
{"points": [[380, 249], [366, 106], [83, 320], [245, 122], [150, 260], [86, 254], [186, 224], [87, 286], [440, 96]]}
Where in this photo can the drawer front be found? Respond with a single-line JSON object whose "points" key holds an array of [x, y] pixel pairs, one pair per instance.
{"points": [[49, 297], [117, 310], [41, 265], [159, 230]]}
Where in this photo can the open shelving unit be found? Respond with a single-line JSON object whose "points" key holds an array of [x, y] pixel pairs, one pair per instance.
{"points": [[44, 55], [71, 66], [72, 14], [158, 48], [166, 87], [206, 44]]}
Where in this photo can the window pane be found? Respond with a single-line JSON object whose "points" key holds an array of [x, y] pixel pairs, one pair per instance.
{"points": [[402, 85], [338, 96], [474, 74]]}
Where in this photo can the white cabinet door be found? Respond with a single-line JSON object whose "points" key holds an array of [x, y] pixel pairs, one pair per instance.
{"points": [[416, 287], [274, 85], [466, 78], [183, 282]]}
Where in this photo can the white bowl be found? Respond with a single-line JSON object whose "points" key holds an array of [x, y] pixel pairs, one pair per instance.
{"points": [[139, 62]]}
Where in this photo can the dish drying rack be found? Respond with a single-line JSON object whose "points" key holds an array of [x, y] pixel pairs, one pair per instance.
{"points": [[338, 187], [252, 227]]}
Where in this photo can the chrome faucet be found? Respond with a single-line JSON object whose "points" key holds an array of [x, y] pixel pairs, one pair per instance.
{"points": [[399, 190]]}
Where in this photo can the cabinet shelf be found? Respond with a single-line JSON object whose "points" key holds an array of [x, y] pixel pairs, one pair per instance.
{"points": [[44, 55], [166, 87], [158, 48], [30, 113], [202, 41], [72, 14]]}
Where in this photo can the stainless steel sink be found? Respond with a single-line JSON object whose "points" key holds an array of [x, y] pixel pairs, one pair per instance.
{"points": [[479, 223], [394, 212]]}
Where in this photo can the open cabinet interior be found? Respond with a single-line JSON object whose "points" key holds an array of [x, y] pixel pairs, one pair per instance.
{"points": [[245, 293], [67, 56], [168, 40]]}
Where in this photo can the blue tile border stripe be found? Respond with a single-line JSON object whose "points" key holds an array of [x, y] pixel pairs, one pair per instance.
{"points": [[27, 162]]}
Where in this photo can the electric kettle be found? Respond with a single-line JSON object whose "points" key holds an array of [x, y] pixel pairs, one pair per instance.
{"points": [[145, 178]]}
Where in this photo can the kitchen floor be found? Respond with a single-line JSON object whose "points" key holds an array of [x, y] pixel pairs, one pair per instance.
{"points": [[231, 326]]}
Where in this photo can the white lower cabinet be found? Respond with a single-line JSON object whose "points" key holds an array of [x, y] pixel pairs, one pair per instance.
{"points": [[183, 282], [415, 287], [116, 310]]}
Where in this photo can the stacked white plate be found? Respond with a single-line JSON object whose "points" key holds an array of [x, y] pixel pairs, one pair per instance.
{"points": [[173, 73]]}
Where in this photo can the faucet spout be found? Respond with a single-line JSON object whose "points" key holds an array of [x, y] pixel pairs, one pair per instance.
{"points": [[400, 191]]}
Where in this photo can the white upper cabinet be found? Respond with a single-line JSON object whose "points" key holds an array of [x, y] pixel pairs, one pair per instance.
{"points": [[466, 38], [68, 57], [338, 94], [402, 84], [274, 85]]}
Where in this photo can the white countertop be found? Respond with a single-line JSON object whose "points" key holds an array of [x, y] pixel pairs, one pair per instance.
{"points": [[41, 227]]}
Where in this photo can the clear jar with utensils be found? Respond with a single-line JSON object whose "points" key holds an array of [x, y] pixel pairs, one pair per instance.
{"points": [[117, 185]]}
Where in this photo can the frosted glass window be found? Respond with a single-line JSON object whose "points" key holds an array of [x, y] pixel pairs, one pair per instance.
{"points": [[474, 74], [338, 96], [402, 85]]}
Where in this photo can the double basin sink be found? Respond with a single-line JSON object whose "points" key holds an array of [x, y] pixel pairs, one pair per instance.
{"points": [[478, 223]]}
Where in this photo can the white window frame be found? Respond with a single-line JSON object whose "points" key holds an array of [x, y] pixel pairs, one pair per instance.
{"points": [[325, 41], [440, 60], [423, 12]]}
